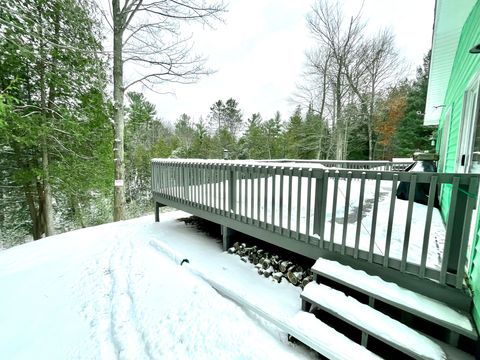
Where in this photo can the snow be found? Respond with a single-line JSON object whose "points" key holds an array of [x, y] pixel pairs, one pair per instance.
{"points": [[116, 291], [393, 293], [340, 346], [365, 317]]}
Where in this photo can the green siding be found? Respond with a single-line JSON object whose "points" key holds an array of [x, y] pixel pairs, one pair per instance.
{"points": [[465, 67]]}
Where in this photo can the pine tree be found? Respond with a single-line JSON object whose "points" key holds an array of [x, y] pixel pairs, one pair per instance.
{"points": [[50, 63], [411, 134]]}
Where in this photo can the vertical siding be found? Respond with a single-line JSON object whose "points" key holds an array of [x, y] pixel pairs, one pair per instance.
{"points": [[465, 67]]}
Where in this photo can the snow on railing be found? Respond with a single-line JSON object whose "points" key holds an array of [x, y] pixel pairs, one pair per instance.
{"points": [[353, 164], [324, 207]]}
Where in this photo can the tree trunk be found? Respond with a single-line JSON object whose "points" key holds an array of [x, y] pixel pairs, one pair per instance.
{"points": [[45, 205], [47, 193], [118, 114], [37, 230]]}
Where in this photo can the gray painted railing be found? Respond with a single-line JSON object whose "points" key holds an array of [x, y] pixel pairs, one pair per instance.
{"points": [[307, 207], [352, 164]]}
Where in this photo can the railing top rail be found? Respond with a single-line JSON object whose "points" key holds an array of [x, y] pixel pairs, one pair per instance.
{"points": [[367, 162], [318, 170], [285, 161]]}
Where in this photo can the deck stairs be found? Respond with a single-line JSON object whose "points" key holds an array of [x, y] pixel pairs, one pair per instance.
{"points": [[386, 319]]}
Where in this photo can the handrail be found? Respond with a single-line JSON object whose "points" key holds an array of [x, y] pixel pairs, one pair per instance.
{"points": [[323, 207]]}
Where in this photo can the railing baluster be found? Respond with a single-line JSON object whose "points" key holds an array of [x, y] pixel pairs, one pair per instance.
{"points": [[282, 173], [245, 196], [183, 182], [174, 181], [204, 186], [265, 197], [236, 205], [240, 191], [259, 176], [197, 185], [216, 188], [428, 222], [274, 176], [359, 215], [289, 220], [390, 220], [251, 170], [299, 200], [211, 186], [346, 211], [334, 211], [324, 197], [408, 225], [309, 203], [378, 181], [448, 235], [223, 171]]}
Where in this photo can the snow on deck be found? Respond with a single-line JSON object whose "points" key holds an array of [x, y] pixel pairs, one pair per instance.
{"points": [[391, 292], [108, 292]]}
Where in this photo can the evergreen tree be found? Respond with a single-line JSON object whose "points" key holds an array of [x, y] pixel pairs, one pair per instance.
{"points": [[293, 135], [50, 63], [411, 134], [273, 134]]}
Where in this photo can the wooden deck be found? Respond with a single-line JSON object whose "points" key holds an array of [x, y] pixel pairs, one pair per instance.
{"points": [[319, 210]]}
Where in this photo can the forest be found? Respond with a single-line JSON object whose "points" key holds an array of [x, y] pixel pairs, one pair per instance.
{"points": [[71, 124]]}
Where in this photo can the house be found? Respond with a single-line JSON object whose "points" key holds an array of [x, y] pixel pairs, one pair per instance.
{"points": [[453, 103]]}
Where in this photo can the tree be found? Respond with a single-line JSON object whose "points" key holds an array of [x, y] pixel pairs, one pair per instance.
{"points": [[392, 112], [50, 64], [225, 120], [253, 141], [273, 131], [411, 134], [346, 70], [147, 33], [185, 133], [375, 67], [293, 135], [312, 142], [146, 137], [337, 42]]}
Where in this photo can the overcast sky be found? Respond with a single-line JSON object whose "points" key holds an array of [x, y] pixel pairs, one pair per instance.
{"points": [[259, 53]]}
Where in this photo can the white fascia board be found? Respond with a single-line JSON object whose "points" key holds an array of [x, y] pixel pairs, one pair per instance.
{"points": [[450, 16]]}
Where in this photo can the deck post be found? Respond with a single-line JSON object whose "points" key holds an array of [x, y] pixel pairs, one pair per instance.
{"points": [[157, 210], [232, 191], [457, 231], [227, 235]]}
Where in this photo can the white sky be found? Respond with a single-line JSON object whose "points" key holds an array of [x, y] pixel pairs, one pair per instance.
{"points": [[259, 53]]}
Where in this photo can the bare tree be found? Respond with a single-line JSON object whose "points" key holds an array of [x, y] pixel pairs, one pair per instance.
{"points": [[347, 69], [337, 40], [146, 34], [375, 66]]}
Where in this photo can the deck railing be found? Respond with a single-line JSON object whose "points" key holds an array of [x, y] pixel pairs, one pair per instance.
{"points": [[325, 209], [352, 164]]}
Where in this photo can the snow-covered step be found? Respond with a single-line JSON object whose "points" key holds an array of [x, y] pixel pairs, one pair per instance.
{"points": [[390, 293], [326, 340], [372, 322]]}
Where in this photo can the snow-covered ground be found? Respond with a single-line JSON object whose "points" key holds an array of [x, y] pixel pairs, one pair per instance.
{"points": [[114, 292]]}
